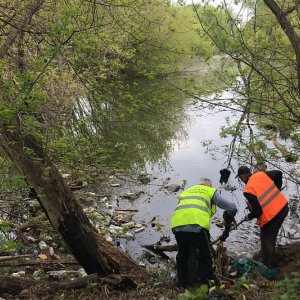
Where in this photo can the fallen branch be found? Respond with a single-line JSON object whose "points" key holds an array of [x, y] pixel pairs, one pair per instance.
{"points": [[160, 248], [13, 257], [27, 286], [16, 285], [126, 209], [235, 226], [40, 262]]}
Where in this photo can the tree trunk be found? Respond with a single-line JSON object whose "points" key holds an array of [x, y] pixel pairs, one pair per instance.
{"points": [[93, 252], [17, 285], [288, 28]]}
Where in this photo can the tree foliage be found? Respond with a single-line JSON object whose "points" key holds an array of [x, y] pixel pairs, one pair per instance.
{"points": [[68, 70], [265, 49], [77, 74]]}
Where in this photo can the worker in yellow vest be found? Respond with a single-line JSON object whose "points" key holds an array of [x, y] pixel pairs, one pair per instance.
{"points": [[190, 224], [267, 204]]}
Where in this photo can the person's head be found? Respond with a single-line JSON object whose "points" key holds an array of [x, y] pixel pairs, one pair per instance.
{"points": [[243, 173], [205, 181]]}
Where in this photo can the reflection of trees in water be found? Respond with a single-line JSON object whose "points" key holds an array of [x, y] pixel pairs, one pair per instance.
{"points": [[131, 126]]}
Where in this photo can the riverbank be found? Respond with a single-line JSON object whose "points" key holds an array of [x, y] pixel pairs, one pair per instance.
{"points": [[160, 286], [35, 252]]}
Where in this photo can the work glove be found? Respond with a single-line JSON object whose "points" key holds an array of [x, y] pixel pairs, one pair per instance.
{"points": [[225, 173], [228, 219]]}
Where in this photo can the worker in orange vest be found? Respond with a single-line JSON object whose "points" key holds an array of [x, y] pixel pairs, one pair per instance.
{"points": [[267, 204]]}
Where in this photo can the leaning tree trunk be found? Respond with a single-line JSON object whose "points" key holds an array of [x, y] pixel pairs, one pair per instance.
{"points": [[93, 252], [286, 19]]}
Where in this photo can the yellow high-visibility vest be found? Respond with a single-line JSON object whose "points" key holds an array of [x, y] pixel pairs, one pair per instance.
{"points": [[194, 207]]}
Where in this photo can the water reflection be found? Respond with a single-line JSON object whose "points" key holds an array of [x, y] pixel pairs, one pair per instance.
{"points": [[133, 125]]}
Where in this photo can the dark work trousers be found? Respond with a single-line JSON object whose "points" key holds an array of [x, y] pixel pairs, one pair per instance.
{"points": [[200, 241], [268, 235]]}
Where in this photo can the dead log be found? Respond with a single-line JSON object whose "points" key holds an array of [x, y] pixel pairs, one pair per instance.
{"points": [[17, 285], [127, 209], [160, 248], [29, 286]]}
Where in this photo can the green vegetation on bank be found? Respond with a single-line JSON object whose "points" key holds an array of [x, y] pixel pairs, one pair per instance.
{"points": [[248, 289], [89, 82]]}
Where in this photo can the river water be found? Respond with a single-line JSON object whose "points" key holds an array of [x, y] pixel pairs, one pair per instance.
{"points": [[189, 160]]}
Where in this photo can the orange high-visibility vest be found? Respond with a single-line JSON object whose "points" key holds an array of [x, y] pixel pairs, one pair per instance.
{"points": [[268, 195]]}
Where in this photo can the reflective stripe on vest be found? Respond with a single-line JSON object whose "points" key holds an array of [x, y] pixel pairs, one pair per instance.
{"points": [[268, 195], [195, 198], [194, 207], [262, 197]]}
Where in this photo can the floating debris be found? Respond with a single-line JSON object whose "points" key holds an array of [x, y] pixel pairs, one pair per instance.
{"points": [[77, 184], [173, 188], [133, 196], [123, 217], [140, 229]]}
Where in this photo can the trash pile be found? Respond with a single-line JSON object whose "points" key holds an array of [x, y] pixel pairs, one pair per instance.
{"points": [[30, 248]]}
